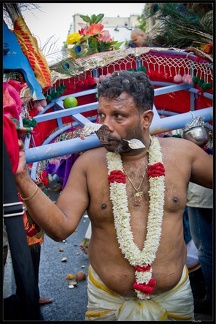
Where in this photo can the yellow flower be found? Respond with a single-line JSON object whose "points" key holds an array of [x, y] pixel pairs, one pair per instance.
{"points": [[73, 38]]}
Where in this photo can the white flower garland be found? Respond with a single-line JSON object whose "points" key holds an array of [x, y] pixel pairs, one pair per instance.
{"points": [[118, 196]]}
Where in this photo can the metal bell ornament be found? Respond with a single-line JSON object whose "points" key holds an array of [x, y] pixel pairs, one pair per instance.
{"points": [[196, 131]]}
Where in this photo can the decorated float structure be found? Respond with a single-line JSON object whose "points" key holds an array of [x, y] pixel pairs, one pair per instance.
{"points": [[183, 83], [33, 96]]}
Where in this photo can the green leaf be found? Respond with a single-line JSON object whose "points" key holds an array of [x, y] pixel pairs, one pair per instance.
{"points": [[99, 17], [86, 18], [94, 44], [117, 46], [93, 18], [106, 46], [103, 46]]}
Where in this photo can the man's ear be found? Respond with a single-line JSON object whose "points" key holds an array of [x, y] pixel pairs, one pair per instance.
{"points": [[147, 118]]}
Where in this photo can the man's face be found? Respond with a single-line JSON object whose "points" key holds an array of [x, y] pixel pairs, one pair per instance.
{"points": [[139, 40], [121, 120]]}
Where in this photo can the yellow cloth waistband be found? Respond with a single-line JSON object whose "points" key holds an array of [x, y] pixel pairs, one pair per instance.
{"points": [[95, 279]]}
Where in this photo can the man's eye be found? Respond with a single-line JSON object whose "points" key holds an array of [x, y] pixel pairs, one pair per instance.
{"points": [[101, 116], [118, 116]]}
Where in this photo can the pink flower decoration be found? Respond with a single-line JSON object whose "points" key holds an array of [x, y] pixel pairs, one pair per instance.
{"points": [[177, 78], [82, 31], [102, 77], [187, 78], [105, 36], [166, 76]]}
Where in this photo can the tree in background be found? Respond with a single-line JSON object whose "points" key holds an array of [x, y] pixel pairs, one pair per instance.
{"points": [[181, 25]]}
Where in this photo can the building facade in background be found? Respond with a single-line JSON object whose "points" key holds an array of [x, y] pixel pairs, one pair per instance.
{"points": [[119, 27]]}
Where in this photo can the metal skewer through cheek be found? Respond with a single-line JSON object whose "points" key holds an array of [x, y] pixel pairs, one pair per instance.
{"points": [[134, 143], [103, 130]]}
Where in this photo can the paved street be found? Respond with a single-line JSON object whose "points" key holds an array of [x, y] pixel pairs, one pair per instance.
{"points": [[69, 304]]}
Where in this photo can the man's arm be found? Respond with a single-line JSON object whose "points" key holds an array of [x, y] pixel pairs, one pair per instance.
{"points": [[58, 221]]}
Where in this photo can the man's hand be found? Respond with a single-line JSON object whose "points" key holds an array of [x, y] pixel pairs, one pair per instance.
{"points": [[22, 159]]}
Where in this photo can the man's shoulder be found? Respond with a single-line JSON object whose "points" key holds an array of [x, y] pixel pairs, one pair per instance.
{"points": [[89, 160], [181, 146], [174, 140], [94, 153], [179, 143]]}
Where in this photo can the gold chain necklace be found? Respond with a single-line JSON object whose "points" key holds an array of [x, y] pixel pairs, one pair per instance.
{"points": [[138, 194]]}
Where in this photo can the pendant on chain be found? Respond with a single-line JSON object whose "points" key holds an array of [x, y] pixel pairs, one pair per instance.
{"points": [[138, 198]]}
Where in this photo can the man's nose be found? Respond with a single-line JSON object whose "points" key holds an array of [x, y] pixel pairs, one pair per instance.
{"points": [[108, 123], [104, 130]]}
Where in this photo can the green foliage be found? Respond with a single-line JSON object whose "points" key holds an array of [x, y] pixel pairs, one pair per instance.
{"points": [[96, 46], [142, 21], [181, 24], [94, 19], [92, 44]]}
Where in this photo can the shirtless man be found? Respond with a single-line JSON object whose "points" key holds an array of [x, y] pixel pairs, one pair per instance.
{"points": [[123, 282]]}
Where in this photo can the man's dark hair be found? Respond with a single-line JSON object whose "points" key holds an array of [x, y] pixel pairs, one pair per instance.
{"points": [[136, 84]]}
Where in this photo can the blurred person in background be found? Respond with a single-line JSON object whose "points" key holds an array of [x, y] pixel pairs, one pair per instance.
{"points": [[200, 212], [138, 38]]}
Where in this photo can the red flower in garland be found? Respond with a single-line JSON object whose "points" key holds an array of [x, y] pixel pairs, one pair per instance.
{"points": [[145, 288], [117, 176], [156, 170], [141, 260], [142, 268]]}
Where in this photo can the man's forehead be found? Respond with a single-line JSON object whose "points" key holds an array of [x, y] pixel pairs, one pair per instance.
{"points": [[122, 97]]}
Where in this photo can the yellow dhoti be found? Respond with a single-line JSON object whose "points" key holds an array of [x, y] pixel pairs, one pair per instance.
{"points": [[105, 305]]}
